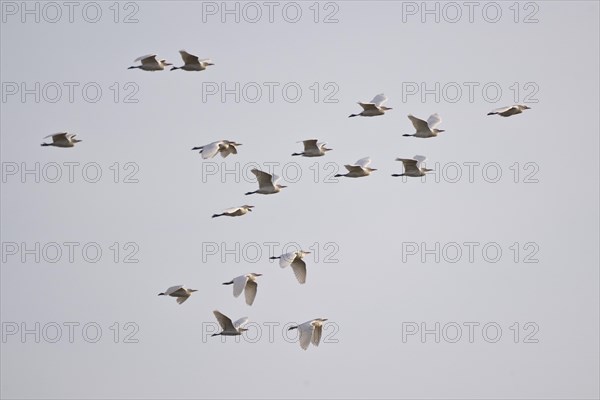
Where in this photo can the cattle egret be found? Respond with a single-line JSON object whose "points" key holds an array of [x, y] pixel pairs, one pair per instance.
{"points": [[235, 212], [313, 149], [192, 63], [247, 284], [267, 183], [150, 63], [229, 328], [510, 110], [373, 108], [310, 331], [426, 129], [180, 292], [63, 139], [412, 167], [295, 259], [358, 169], [224, 147]]}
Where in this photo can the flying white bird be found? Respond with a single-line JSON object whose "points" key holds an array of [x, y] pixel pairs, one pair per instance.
{"points": [[180, 292], [192, 63], [412, 167], [150, 63], [63, 139], [229, 328], [235, 212], [247, 284], [295, 259], [373, 108], [426, 129], [313, 149], [358, 169], [510, 110], [310, 331], [224, 147], [267, 183]]}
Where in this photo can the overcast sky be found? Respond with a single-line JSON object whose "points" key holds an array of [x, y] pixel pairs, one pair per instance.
{"points": [[495, 254]]}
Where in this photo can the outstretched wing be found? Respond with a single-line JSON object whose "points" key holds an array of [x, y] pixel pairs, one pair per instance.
{"points": [[240, 322], [250, 292], [299, 268], [238, 285], [419, 124], [188, 58], [363, 162], [210, 150], [433, 121], [310, 145], [379, 99], [265, 181], [149, 59], [172, 290], [316, 336], [286, 259], [409, 165], [306, 332], [224, 321], [420, 160]]}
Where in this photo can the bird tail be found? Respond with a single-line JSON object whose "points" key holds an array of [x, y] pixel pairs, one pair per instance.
{"points": [[338, 175], [197, 148], [407, 134], [492, 113], [228, 283], [353, 115], [296, 154], [174, 68], [217, 215], [247, 193], [45, 144], [396, 175], [133, 67]]}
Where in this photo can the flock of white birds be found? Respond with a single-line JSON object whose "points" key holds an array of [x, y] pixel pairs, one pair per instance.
{"points": [[310, 331]]}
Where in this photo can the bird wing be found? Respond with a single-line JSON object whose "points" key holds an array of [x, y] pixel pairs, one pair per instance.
{"points": [[299, 268], [210, 150], [310, 145], [368, 106], [409, 164], [250, 292], [363, 162], [231, 210], [379, 99], [419, 124], [306, 332], [229, 149], [433, 121], [149, 59], [172, 290], [353, 168], [501, 110], [265, 181], [316, 336], [286, 259], [240, 322], [188, 58], [238, 285], [224, 321], [181, 299], [57, 136]]}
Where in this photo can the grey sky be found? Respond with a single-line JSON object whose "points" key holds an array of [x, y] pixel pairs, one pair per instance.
{"points": [[364, 277]]}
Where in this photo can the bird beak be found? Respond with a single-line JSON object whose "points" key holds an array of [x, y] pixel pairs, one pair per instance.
{"points": [[441, 130], [258, 274], [373, 169], [324, 319], [429, 170], [527, 108], [326, 149], [281, 186], [193, 290], [307, 252]]}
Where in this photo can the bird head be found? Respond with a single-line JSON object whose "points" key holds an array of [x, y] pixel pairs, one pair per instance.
{"points": [[192, 290], [371, 169], [428, 170], [525, 108], [164, 62], [281, 186], [249, 208], [384, 108], [438, 130], [255, 274], [243, 329], [76, 140]]}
